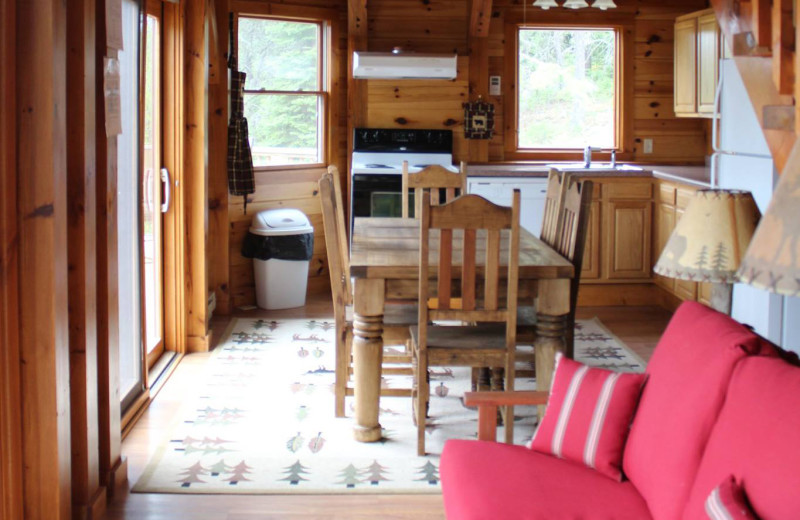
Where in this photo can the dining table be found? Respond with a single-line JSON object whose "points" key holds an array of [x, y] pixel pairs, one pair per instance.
{"points": [[384, 265]]}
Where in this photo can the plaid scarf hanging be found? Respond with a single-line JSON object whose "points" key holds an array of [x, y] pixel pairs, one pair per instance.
{"points": [[241, 180]]}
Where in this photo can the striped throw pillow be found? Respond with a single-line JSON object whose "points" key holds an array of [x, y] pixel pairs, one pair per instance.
{"points": [[588, 415], [728, 502]]}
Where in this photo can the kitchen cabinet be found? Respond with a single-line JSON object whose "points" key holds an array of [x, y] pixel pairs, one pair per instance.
{"points": [[671, 201], [533, 192], [627, 210], [698, 45]]}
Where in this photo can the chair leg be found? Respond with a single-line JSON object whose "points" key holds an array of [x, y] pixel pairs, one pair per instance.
{"points": [[569, 337], [509, 422], [343, 338], [422, 400]]}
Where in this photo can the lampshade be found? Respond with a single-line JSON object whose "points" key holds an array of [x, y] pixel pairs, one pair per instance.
{"points": [[711, 238], [772, 261], [604, 4], [545, 4], [575, 4]]}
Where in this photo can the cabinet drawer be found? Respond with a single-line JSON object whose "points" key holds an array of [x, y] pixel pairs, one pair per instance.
{"points": [[628, 190]]}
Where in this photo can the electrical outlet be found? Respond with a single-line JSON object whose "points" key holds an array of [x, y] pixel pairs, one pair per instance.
{"points": [[648, 146]]}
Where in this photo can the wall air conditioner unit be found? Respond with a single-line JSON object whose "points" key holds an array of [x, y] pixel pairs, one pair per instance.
{"points": [[388, 65]]}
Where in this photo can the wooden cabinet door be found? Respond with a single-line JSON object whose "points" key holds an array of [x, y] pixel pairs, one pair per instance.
{"points": [[627, 226], [686, 66], [707, 62], [591, 253], [684, 289], [704, 293], [665, 223]]}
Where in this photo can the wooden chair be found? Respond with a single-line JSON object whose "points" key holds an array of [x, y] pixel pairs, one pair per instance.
{"points": [[557, 183], [397, 317], [473, 225], [433, 179], [570, 243]]}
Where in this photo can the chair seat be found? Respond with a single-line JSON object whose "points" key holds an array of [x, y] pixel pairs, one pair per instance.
{"points": [[481, 345]]}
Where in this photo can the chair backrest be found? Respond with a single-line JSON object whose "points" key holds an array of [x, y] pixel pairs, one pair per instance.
{"points": [[573, 228], [432, 179], [557, 183], [470, 227], [335, 241]]}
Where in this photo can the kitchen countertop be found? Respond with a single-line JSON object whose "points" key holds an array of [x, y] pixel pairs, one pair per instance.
{"points": [[695, 175]]}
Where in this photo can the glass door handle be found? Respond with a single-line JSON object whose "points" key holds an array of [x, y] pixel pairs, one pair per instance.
{"points": [[167, 190]]}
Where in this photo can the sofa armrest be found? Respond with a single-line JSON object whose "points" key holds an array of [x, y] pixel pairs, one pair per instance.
{"points": [[488, 402]]}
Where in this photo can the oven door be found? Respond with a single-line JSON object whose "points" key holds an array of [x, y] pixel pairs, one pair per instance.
{"points": [[378, 195]]}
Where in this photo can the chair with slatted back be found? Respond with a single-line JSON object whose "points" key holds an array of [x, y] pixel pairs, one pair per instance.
{"points": [[466, 237], [571, 242], [434, 179], [557, 183], [397, 319]]}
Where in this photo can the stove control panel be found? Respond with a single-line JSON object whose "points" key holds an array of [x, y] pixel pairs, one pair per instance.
{"points": [[393, 140]]}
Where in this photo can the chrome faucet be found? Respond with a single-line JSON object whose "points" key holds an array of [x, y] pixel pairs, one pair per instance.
{"points": [[587, 156]]}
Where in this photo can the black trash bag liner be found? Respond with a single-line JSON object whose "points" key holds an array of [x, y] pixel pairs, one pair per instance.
{"points": [[288, 247]]}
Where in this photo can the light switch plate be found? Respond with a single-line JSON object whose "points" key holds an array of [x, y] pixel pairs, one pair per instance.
{"points": [[494, 85], [648, 146]]}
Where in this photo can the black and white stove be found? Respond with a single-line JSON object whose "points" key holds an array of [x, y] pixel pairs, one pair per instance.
{"points": [[377, 165]]}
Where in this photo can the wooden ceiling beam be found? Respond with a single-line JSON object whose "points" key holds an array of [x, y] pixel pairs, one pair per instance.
{"points": [[480, 17]]}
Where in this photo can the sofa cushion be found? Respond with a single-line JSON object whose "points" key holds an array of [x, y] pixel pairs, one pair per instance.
{"points": [[588, 415], [728, 502], [688, 378], [757, 440], [487, 480]]}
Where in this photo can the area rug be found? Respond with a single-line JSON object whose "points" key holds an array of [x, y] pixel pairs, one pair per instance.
{"points": [[263, 421]]}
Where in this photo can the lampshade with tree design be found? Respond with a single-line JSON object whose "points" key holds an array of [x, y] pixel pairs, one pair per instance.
{"points": [[710, 240], [772, 261]]}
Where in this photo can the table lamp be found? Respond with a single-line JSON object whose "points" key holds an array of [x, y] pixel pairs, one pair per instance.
{"points": [[709, 242], [772, 261]]}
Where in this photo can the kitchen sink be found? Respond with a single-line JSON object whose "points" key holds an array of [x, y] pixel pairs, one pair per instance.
{"points": [[595, 166]]}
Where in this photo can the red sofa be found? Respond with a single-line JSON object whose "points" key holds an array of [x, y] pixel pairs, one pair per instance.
{"points": [[719, 401]]}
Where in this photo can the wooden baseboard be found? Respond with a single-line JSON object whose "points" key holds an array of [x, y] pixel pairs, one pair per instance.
{"points": [[619, 294], [668, 300], [117, 477]]}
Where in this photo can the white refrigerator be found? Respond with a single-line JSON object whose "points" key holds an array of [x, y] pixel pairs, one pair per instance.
{"points": [[742, 160]]}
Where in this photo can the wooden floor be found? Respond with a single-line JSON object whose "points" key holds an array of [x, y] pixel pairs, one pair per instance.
{"points": [[638, 327]]}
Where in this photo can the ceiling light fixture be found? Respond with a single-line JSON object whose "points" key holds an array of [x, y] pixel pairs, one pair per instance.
{"points": [[545, 4], [575, 4], [604, 4]]}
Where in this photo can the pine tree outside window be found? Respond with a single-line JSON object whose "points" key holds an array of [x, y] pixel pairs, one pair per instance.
{"points": [[285, 95], [569, 85]]}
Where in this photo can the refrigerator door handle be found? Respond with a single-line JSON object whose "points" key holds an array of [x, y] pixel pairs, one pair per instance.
{"points": [[715, 118]]}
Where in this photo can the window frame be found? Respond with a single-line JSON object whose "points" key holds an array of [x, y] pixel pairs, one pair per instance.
{"points": [[323, 18], [623, 95]]}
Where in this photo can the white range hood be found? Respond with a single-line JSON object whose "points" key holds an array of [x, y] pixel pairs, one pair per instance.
{"points": [[388, 65]]}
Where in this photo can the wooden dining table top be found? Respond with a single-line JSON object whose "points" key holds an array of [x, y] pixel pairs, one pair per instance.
{"points": [[389, 248]]}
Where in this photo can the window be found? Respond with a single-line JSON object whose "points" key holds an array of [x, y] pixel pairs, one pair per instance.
{"points": [[284, 100], [568, 85]]}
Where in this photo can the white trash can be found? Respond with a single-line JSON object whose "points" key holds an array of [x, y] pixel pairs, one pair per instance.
{"points": [[280, 242]]}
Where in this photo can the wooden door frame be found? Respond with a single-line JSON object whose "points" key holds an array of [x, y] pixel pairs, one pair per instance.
{"points": [[10, 394]]}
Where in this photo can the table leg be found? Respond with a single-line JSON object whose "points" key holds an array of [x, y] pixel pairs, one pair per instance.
{"points": [[551, 318], [367, 356]]}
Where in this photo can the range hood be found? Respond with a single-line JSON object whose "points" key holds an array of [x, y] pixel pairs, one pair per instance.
{"points": [[389, 65]]}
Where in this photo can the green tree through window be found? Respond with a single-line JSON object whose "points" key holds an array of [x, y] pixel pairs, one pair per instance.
{"points": [[567, 81], [283, 101]]}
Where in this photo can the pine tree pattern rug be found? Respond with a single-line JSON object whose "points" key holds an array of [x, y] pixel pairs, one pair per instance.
{"points": [[263, 421]]}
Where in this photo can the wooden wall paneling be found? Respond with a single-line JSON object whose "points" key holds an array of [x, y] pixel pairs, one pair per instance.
{"points": [[10, 397], [783, 45], [88, 496], [218, 166], [44, 341], [174, 220], [113, 467], [479, 68], [195, 183]]}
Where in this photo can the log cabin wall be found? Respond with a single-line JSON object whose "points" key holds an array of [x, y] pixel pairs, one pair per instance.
{"points": [[443, 26], [293, 187]]}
